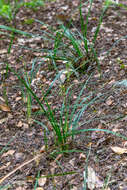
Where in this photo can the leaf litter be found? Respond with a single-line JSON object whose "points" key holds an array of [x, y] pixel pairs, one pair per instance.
{"points": [[106, 154]]}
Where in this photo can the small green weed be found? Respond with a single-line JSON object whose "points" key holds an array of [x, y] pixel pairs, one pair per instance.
{"points": [[9, 9], [29, 21], [34, 4], [121, 63]]}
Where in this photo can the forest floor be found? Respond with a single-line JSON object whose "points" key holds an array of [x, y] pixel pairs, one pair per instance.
{"points": [[21, 139]]}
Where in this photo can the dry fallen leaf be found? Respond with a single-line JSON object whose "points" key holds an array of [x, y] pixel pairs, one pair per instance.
{"points": [[5, 166], [74, 188], [91, 178], [109, 101], [3, 120], [124, 144], [42, 180], [19, 188], [64, 74], [39, 188], [30, 179], [72, 162], [19, 124], [119, 150], [3, 51], [82, 156], [4, 107], [10, 152], [18, 98]]}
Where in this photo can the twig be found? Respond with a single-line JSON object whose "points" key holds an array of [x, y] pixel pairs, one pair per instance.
{"points": [[19, 167]]}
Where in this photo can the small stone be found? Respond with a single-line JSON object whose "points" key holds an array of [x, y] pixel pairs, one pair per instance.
{"points": [[19, 156], [65, 7]]}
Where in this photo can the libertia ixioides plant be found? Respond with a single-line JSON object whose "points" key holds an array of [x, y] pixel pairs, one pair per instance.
{"points": [[64, 127], [68, 124], [62, 133], [75, 47]]}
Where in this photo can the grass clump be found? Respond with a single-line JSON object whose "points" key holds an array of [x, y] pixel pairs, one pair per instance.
{"points": [[74, 46], [69, 118], [78, 53], [69, 123]]}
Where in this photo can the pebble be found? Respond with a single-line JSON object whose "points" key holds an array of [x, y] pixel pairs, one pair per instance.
{"points": [[19, 156]]}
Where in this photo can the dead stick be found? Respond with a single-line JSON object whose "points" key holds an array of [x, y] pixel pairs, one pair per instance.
{"points": [[19, 167]]}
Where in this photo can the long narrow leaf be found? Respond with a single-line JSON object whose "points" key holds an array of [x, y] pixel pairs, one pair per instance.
{"points": [[30, 90], [78, 99], [15, 30], [75, 132], [100, 21], [80, 113]]}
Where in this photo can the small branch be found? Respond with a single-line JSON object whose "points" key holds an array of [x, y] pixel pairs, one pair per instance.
{"points": [[19, 167]]}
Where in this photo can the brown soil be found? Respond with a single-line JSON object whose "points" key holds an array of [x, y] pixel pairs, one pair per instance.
{"points": [[22, 140]]}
